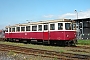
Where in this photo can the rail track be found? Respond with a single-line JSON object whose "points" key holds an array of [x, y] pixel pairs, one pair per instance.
{"points": [[78, 50], [83, 47], [43, 53]]}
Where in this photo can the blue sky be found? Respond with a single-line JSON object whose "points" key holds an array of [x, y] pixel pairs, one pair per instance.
{"points": [[18, 11]]}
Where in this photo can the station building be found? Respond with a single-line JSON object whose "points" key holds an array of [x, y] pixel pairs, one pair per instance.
{"points": [[83, 28]]}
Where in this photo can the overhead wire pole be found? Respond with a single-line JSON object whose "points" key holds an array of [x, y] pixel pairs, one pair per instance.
{"points": [[78, 30], [76, 13]]}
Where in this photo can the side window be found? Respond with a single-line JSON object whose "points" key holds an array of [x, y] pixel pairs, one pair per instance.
{"points": [[52, 26], [60, 26], [13, 29], [6, 29], [68, 26], [45, 27], [22, 28], [27, 28], [39, 27], [9, 29], [17, 29], [34, 28]]}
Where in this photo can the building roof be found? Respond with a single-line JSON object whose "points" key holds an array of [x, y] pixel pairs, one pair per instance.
{"points": [[84, 19]]}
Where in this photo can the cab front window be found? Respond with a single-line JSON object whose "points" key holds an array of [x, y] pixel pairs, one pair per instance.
{"points": [[74, 26], [6, 30]]}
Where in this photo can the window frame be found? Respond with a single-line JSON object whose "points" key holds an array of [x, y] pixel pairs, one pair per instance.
{"points": [[19, 29], [34, 26], [29, 28], [47, 27], [6, 30], [41, 28], [12, 29], [22, 27], [60, 26], [50, 26], [73, 26], [70, 27]]}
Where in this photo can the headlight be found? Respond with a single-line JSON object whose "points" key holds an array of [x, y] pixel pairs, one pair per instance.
{"points": [[67, 35]]}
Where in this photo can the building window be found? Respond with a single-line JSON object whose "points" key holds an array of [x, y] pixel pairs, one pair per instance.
{"points": [[45, 27], [34, 28], [52, 26], [60, 26], [68, 26], [9, 29], [39, 27], [22, 28], [86, 24], [17, 29], [13, 29], [27, 28]]}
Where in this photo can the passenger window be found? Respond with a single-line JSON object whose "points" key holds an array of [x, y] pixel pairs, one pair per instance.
{"points": [[22, 28], [68, 26], [27, 28], [13, 29], [60, 26], [52, 26], [34, 28], [39, 27], [9, 29], [45, 27], [17, 29]]}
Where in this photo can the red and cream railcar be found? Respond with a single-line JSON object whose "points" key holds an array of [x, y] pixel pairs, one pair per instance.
{"points": [[60, 31]]}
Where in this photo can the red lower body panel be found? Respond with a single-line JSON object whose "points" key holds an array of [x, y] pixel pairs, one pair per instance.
{"points": [[62, 35], [51, 35]]}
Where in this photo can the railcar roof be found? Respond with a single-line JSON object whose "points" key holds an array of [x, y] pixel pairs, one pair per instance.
{"points": [[40, 22]]}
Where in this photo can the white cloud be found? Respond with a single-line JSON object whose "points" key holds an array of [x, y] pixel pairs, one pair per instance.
{"points": [[85, 14], [82, 14], [48, 16], [67, 15], [73, 15]]}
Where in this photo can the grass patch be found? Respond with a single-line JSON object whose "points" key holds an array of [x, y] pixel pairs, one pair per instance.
{"points": [[61, 51], [83, 42], [35, 46], [12, 53]]}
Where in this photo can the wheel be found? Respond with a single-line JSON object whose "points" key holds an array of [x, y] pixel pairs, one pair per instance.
{"points": [[51, 42], [68, 43]]}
